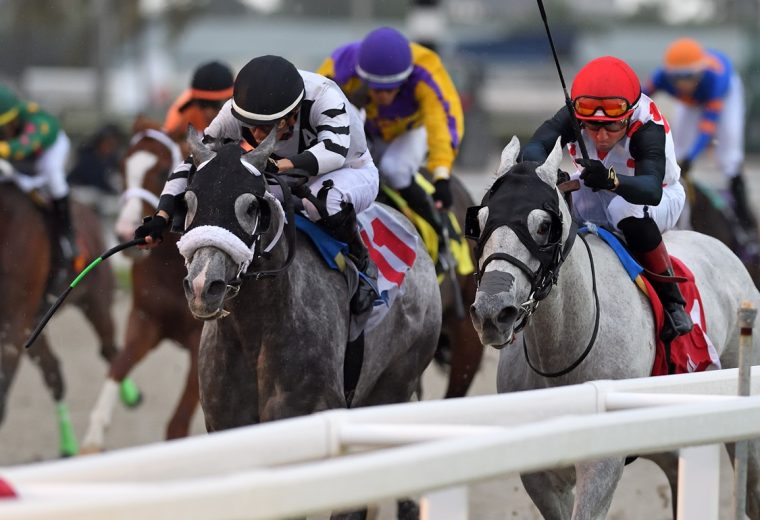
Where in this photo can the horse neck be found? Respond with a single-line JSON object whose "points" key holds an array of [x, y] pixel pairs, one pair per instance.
{"points": [[564, 321]]}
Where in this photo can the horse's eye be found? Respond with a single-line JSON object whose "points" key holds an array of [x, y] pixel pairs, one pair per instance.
{"points": [[252, 207], [544, 228]]}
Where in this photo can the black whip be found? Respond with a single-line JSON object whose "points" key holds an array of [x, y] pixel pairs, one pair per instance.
{"points": [[65, 294], [568, 101]]}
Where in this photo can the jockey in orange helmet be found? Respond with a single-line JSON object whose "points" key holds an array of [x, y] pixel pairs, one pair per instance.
{"points": [[630, 180], [710, 106], [210, 87]]}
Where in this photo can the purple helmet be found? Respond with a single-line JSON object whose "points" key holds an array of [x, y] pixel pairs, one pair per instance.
{"points": [[385, 59]]}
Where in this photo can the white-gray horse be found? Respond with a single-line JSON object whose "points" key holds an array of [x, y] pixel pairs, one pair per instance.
{"points": [[559, 332]]}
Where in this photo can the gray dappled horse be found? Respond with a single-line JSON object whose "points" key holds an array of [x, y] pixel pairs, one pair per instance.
{"points": [[560, 329], [278, 352]]}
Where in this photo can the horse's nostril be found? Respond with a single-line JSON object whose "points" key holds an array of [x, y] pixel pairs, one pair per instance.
{"points": [[507, 315], [216, 288]]}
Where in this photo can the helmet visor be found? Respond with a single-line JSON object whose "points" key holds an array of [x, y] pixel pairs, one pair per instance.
{"points": [[587, 106]]}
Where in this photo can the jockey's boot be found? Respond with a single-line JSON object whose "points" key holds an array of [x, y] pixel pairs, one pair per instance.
{"points": [[741, 204], [677, 320], [344, 227], [64, 249], [421, 203]]}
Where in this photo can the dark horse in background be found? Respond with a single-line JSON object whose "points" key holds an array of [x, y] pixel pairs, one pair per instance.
{"points": [[24, 267], [711, 213], [459, 348], [158, 308], [277, 349]]}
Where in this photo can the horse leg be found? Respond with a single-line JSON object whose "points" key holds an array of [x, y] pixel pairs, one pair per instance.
{"points": [[595, 484], [10, 355], [668, 463], [50, 366], [466, 349], [142, 335], [551, 492], [97, 310], [179, 425]]}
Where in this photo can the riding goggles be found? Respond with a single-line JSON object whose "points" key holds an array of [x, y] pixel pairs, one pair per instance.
{"points": [[610, 126], [587, 106]]}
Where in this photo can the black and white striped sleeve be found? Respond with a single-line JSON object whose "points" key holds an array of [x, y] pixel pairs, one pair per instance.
{"points": [[175, 185], [331, 120]]}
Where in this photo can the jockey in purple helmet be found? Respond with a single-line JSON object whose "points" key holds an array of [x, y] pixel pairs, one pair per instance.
{"points": [[413, 112]]}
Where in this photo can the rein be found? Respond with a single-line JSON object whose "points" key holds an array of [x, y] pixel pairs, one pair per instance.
{"points": [[586, 351]]}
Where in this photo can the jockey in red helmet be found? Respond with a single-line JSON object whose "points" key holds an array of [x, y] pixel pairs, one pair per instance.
{"points": [[630, 180]]}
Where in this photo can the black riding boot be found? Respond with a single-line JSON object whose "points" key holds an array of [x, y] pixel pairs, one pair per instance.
{"points": [[421, 203], [741, 204], [64, 249], [344, 227], [677, 321]]}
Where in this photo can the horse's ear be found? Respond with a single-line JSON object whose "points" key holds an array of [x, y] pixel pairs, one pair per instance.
{"points": [[547, 172], [201, 153], [259, 155], [509, 156]]}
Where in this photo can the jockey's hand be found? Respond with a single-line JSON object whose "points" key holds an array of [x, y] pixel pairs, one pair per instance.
{"points": [[562, 176], [685, 165], [152, 230], [597, 176], [271, 166], [442, 195]]}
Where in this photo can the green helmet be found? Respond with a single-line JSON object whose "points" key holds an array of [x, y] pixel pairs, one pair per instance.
{"points": [[9, 105]]}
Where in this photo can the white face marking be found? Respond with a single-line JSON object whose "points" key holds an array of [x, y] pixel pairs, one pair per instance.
{"points": [[199, 283], [135, 166]]}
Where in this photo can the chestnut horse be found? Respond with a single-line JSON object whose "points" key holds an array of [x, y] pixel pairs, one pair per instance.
{"points": [[25, 266], [158, 308]]}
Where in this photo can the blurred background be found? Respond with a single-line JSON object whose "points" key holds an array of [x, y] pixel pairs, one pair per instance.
{"points": [[93, 62]]}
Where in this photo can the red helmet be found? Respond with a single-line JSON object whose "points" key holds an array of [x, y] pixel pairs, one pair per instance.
{"points": [[605, 89]]}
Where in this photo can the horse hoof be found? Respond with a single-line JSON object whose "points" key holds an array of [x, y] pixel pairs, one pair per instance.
{"points": [[90, 450]]}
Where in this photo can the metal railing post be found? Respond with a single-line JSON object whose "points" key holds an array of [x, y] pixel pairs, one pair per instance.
{"points": [[746, 314]]}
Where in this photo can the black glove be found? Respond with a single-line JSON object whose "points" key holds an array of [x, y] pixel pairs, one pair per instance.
{"points": [[597, 176], [152, 227], [685, 166], [562, 176], [271, 166], [442, 193]]}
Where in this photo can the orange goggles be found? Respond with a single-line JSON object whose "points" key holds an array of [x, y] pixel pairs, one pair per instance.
{"points": [[586, 106]]}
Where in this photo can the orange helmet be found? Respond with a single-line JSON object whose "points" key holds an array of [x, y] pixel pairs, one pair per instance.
{"points": [[605, 89], [684, 54]]}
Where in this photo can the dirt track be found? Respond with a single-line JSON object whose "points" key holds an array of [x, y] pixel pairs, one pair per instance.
{"points": [[29, 431]]}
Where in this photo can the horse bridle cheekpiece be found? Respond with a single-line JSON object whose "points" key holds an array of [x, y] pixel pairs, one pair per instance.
{"points": [[510, 200]]}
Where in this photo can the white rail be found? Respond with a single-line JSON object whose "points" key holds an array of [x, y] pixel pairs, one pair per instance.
{"points": [[313, 464]]}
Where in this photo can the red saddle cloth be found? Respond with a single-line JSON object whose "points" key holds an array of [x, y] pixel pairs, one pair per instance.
{"points": [[692, 352]]}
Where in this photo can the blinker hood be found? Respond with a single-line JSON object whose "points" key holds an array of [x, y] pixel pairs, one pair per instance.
{"points": [[510, 200]]}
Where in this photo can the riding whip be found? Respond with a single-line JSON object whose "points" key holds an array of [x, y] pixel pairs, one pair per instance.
{"points": [[80, 276], [568, 101]]}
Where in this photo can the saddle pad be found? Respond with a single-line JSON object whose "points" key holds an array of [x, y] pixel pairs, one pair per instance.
{"points": [[692, 352], [390, 245]]}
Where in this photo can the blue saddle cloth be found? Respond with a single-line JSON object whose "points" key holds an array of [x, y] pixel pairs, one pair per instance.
{"points": [[632, 267], [333, 251]]}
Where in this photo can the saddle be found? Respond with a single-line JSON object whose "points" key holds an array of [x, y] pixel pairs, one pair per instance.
{"points": [[457, 252], [691, 352]]}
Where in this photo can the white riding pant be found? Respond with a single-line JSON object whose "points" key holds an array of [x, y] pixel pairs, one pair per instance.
{"points": [[401, 158], [605, 208], [49, 173], [358, 185], [729, 134]]}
